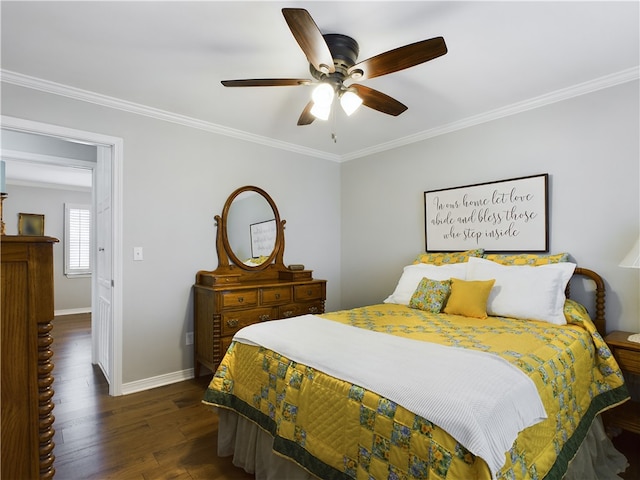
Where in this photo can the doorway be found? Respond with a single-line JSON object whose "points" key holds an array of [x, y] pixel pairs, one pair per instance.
{"points": [[106, 304]]}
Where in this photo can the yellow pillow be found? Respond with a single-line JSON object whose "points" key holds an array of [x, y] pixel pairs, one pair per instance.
{"points": [[531, 259], [448, 257], [469, 298]]}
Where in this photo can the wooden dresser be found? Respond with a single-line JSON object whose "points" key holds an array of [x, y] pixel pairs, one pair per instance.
{"points": [[221, 310], [251, 283], [26, 382]]}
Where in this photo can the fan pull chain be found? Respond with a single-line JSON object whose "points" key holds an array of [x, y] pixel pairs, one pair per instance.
{"points": [[334, 136]]}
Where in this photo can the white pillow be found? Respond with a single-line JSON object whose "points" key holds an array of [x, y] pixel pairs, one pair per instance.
{"points": [[412, 274], [523, 291]]}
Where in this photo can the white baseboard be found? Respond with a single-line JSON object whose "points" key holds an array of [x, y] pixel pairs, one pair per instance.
{"points": [[72, 311], [159, 381]]}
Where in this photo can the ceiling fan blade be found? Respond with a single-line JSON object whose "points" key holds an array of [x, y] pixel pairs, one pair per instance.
{"points": [[310, 39], [379, 101], [305, 117], [267, 82], [398, 59]]}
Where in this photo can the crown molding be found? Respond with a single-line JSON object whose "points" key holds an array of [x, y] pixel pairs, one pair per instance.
{"points": [[33, 157], [79, 182], [600, 83], [47, 86], [50, 186], [607, 81]]}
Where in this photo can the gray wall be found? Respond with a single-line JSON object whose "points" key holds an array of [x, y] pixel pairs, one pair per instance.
{"points": [[71, 294], [589, 145]]}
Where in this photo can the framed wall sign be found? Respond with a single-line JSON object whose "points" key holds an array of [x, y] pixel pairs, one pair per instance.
{"points": [[501, 216], [263, 238], [30, 224]]}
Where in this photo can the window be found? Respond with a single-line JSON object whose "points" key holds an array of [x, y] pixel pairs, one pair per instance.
{"points": [[77, 239]]}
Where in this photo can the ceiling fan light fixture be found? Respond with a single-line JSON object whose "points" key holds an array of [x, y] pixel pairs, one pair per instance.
{"points": [[350, 102], [321, 111], [323, 95]]}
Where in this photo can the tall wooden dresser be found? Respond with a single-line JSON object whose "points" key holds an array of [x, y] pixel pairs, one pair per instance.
{"points": [[26, 382], [250, 285]]}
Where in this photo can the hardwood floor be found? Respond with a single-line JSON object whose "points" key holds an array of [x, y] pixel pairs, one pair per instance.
{"points": [[157, 434]]}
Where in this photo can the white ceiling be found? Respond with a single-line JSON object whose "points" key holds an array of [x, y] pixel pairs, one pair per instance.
{"points": [[503, 57]]}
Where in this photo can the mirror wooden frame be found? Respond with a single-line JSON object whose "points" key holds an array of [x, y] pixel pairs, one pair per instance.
{"points": [[231, 269], [226, 252]]}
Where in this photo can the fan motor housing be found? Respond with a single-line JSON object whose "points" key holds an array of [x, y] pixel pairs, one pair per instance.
{"points": [[344, 51]]}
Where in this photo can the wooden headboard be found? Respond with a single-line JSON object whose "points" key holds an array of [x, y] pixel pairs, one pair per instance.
{"points": [[598, 318]]}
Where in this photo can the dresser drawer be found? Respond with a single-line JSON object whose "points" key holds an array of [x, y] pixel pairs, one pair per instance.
{"points": [[234, 321], [628, 360], [243, 298], [295, 309], [275, 295], [312, 291]]}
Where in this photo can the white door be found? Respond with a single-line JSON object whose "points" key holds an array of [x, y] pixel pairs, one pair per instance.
{"points": [[102, 318], [106, 301]]}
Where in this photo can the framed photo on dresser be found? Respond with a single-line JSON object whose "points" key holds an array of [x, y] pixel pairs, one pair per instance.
{"points": [[31, 224]]}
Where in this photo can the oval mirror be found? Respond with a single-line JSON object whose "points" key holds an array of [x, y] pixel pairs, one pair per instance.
{"points": [[250, 234]]}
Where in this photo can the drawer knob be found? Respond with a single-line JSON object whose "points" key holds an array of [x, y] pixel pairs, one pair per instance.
{"points": [[240, 299], [277, 296], [309, 292], [232, 322], [264, 317]]}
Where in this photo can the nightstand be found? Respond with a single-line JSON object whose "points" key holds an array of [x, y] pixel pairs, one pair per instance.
{"points": [[627, 354]]}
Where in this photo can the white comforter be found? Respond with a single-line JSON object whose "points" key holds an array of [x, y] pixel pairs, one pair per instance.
{"points": [[478, 398]]}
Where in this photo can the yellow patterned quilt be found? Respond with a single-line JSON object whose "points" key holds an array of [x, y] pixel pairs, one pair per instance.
{"points": [[336, 429]]}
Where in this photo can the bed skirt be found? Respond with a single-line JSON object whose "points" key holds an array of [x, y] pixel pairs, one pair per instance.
{"points": [[251, 447]]}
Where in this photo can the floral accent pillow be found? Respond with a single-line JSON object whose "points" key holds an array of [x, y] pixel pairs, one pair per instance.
{"points": [[412, 274], [431, 295]]}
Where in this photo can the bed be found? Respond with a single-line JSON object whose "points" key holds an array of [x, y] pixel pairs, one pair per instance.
{"points": [[475, 367]]}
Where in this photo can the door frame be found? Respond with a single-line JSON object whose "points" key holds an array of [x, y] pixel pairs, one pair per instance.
{"points": [[116, 146]]}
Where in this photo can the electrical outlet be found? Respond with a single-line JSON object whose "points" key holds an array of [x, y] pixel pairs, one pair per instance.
{"points": [[188, 340]]}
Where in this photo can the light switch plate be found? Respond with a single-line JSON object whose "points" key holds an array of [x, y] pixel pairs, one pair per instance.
{"points": [[137, 254]]}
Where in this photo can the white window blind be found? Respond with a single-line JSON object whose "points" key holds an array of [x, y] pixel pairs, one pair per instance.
{"points": [[77, 252]]}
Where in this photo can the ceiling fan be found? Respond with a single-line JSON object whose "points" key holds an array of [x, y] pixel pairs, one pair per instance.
{"points": [[332, 63]]}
